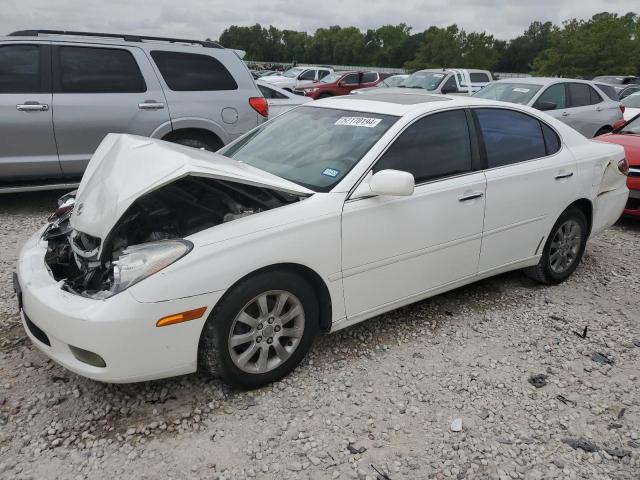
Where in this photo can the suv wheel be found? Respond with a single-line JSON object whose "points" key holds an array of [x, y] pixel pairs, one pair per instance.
{"points": [[195, 143], [563, 250], [260, 330], [602, 131]]}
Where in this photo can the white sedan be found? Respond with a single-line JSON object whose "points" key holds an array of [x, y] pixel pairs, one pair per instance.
{"points": [[280, 100], [632, 106], [170, 258]]}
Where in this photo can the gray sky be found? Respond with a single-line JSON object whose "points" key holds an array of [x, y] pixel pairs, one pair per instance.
{"points": [[208, 18]]}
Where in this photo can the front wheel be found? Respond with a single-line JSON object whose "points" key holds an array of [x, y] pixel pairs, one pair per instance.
{"points": [[261, 330], [563, 250]]}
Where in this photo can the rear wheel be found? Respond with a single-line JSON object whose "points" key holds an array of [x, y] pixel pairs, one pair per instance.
{"points": [[261, 330], [195, 139], [563, 250], [602, 131]]}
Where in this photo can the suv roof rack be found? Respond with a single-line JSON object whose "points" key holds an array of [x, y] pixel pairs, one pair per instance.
{"points": [[125, 37]]}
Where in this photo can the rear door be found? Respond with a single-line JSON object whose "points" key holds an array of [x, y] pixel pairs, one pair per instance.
{"points": [[27, 143], [99, 90], [589, 112], [530, 181]]}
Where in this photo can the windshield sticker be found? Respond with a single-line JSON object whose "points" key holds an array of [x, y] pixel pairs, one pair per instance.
{"points": [[521, 90], [331, 172], [358, 121]]}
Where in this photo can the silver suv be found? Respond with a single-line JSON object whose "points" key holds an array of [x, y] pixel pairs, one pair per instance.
{"points": [[62, 92]]}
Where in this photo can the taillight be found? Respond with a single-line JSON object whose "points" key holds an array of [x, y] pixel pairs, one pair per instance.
{"points": [[622, 108], [260, 105], [623, 166]]}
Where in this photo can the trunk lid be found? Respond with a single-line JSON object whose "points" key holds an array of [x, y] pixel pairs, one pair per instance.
{"points": [[124, 167]]}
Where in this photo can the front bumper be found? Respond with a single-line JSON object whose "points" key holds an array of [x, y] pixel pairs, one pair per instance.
{"points": [[120, 329], [633, 203]]}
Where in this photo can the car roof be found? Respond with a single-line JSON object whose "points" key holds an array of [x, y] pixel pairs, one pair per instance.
{"points": [[541, 80], [400, 104]]}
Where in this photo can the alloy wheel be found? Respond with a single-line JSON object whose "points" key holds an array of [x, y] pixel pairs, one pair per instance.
{"points": [[565, 246]]}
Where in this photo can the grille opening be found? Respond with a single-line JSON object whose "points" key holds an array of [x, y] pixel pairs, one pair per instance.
{"points": [[85, 356], [37, 331]]}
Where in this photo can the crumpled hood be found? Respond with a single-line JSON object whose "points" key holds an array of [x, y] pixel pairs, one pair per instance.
{"points": [[125, 167]]}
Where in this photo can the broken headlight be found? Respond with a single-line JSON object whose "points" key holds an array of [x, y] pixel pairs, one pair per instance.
{"points": [[138, 262]]}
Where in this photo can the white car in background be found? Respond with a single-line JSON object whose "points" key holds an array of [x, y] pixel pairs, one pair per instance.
{"points": [[297, 77], [389, 82], [280, 100], [325, 216], [631, 106]]}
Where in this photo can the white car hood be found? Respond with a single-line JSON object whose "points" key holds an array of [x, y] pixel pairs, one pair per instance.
{"points": [[125, 167]]}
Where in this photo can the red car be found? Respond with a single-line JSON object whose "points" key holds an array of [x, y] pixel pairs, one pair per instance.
{"points": [[627, 134], [340, 83]]}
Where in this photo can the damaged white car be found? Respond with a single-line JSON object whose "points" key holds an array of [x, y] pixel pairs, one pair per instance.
{"points": [[169, 258]]}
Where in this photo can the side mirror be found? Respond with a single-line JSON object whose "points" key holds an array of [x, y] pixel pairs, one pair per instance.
{"points": [[392, 182], [618, 124], [545, 106]]}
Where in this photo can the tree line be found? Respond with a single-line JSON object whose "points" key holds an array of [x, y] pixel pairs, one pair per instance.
{"points": [[607, 43]]}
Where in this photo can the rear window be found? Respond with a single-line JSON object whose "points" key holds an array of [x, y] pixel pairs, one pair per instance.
{"points": [[479, 77], [369, 77], [98, 70], [193, 72], [609, 91]]}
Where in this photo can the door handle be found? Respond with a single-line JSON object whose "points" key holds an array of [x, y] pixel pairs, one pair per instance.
{"points": [[562, 175], [470, 196], [32, 107], [565, 114], [151, 105], [598, 109]]}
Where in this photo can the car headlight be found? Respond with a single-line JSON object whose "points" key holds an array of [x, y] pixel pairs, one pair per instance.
{"points": [[138, 262]]}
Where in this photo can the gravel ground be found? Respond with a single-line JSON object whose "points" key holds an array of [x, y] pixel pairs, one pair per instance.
{"points": [[381, 395]]}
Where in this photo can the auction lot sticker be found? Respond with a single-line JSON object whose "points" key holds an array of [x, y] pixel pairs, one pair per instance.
{"points": [[358, 121]]}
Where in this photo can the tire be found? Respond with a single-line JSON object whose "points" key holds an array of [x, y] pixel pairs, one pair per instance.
{"points": [[559, 260], [267, 331], [194, 143], [602, 131]]}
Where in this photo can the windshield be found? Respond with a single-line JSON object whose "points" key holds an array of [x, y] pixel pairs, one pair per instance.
{"points": [[425, 80], [521, 93], [393, 81], [293, 72], [633, 126], [632, 101], [331, 78], [313, 147]]}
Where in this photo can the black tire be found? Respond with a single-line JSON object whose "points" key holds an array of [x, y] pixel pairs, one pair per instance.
{"points": [[544, 272], [214, 352], [194, 143], [602, 131]]}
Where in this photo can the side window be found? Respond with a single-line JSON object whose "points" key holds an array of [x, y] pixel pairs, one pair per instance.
{"points": [[479, 77], [509, 136], [579, 95], [193, 72], [595, 96], [322, 74], [351, 79], [551, 139], [270, 93], [98, 70], [450, 85], [432, 147], [556, 95], [20, 69], [307, 75], [369, 77]]}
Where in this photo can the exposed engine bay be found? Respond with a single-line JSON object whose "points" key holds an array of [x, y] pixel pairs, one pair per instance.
{"points": [[181, 208]]}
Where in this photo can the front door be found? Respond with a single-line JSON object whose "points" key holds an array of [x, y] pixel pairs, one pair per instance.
{"points": [[28, 146], [396, 249], [100, 90]]}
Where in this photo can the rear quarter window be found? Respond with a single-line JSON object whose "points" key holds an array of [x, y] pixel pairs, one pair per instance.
{"points": [[193, 72], [479, 77]]}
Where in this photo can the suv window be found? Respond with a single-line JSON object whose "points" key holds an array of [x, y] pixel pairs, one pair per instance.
{"points": [[308, 75], [609, 91], [369, 77], [193, 72], [20, 69], [432, 147], [98, 70], [270, 92], [479, 77], [351, 79], [555, 94], [581, 94], [509, 136]]}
